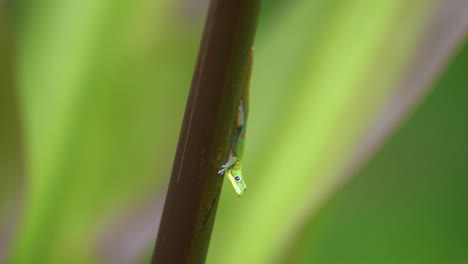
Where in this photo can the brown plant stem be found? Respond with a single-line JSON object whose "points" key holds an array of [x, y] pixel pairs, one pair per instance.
{"points": [[204, 141]]}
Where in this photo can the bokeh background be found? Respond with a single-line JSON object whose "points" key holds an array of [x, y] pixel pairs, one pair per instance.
{"points": [[357, 140]]}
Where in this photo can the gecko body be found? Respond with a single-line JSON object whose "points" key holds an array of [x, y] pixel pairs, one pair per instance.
{"points": [[233, 167]]}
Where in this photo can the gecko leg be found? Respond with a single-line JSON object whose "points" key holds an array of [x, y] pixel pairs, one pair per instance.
{"points": [[228, 165], [240, 122]]}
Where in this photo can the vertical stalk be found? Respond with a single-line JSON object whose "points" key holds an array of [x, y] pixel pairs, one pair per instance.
{"points": [[204, 141]]}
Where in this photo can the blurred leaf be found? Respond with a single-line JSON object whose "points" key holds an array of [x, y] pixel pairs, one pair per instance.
{"points": [[103, 85], [409, 204], [318, 82], [442, 36], [11, 152]]}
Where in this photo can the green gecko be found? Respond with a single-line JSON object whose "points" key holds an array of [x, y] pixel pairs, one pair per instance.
{"points": [[233, 167]]}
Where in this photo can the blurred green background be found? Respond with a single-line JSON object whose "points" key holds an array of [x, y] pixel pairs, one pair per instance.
{"points": [[92, 96]]}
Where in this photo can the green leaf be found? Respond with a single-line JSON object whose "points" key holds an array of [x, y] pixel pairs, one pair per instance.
{"points": [[408, 205], [316, 109]]}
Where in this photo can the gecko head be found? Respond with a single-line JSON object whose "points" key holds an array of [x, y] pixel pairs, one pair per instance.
{"points": [[237, 182]]}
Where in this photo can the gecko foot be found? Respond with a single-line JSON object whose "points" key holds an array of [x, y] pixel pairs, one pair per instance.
{"points": [[226, 166]]}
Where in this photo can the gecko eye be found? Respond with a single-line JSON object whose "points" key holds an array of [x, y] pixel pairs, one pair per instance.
{"points": [[237, 178]]}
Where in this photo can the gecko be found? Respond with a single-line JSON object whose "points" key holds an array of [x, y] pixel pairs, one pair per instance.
{"points": [[233, 167]]}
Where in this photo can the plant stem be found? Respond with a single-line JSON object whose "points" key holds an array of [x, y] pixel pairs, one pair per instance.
{"points": [[204, 141]]}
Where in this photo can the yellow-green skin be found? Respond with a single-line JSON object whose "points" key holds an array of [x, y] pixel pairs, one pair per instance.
{"points": [[233, 168], [234, 173], [237, 181]]}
